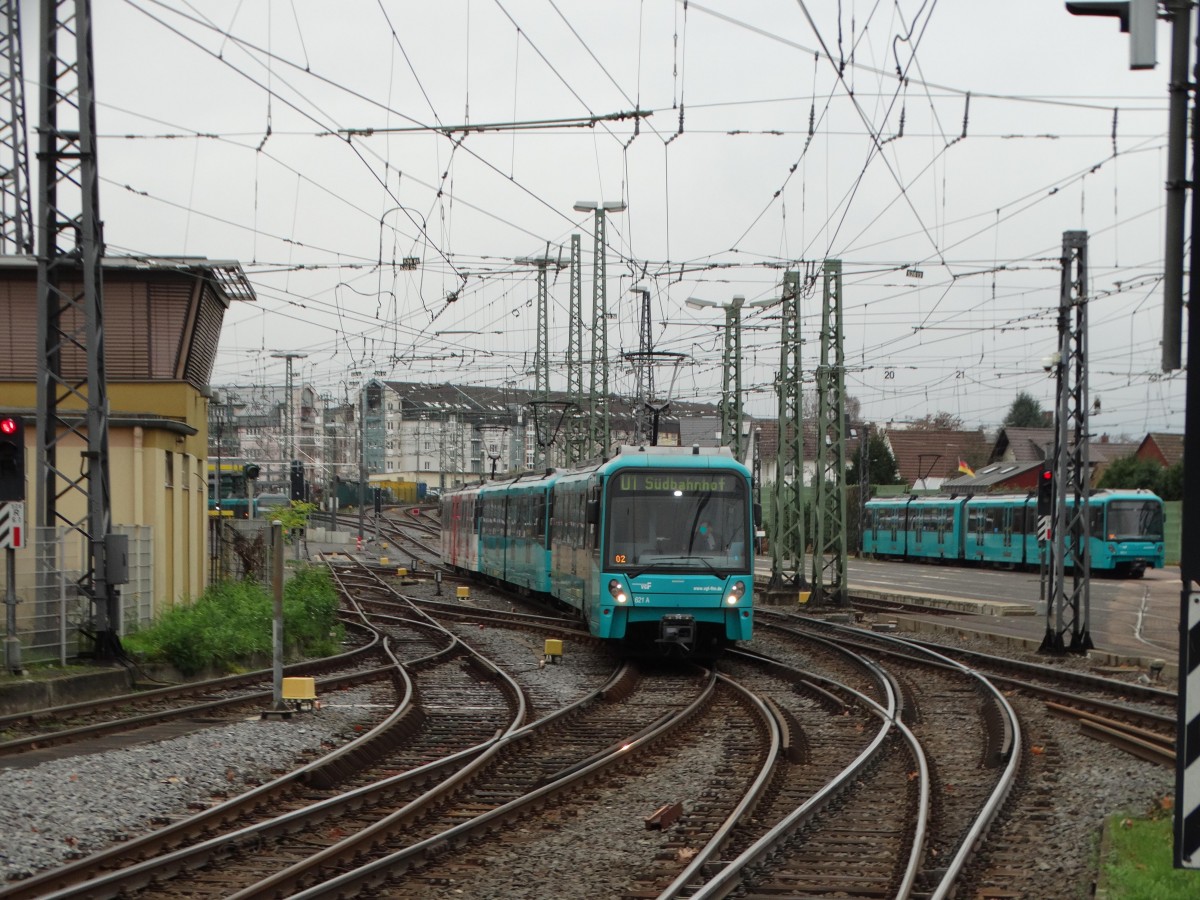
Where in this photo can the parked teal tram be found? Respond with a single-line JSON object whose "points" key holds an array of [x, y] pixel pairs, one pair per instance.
{"points": [[1125, 530]]}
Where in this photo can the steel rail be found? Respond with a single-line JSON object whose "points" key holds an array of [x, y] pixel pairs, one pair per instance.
{"points": [[380, 870], [182, 690], [67, 881], [1010, 753], [749, 800], [729, 878]]}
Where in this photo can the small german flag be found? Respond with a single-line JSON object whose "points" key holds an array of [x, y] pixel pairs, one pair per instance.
{"points": [[964, 468]]}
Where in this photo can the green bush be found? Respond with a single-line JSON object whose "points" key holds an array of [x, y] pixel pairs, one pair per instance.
{"points": [[229, 626]]}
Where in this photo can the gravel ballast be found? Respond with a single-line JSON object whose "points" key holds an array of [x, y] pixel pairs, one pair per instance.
{"points": [[65, 809]]}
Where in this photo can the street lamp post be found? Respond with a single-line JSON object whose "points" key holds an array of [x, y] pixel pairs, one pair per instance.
{"points": [[598, 393]]}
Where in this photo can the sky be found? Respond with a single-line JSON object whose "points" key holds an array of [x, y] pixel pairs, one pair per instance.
{"points": [[939, 150]]}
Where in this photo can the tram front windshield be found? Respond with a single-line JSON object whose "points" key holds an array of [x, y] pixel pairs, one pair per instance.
{"points": [[1134, 520], [683, 519]]}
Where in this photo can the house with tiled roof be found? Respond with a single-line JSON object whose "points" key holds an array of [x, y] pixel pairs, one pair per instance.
{"points": [[1023, 445], [1162, 448], [926, 458], [1026, 446], [766, 438]]}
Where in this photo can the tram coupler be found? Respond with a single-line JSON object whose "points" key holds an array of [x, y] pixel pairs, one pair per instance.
{"points": [[677, 629]]}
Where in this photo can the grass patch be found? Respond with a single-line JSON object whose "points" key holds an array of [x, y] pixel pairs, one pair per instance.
{"points": [[1140, 861], [229, 626]]}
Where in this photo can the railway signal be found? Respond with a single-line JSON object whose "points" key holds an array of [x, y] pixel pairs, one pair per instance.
{"points": [[12, 459], [1045, 492], [297, 479]]}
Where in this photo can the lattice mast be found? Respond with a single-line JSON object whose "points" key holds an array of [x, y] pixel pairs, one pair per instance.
{"points": [[576, 436], [598, 422], [787, 538], [289, 406], [829, 554], [16, 207], [1070, 608], [71, 391], [645, 370], [541, 357], [731, 379]]}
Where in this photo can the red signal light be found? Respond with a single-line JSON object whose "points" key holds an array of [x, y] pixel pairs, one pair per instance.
{"points": [[1047, 475], [8, 425]]}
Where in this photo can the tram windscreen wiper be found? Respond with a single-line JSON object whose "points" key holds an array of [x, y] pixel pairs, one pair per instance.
{"points": [[673, 561]]}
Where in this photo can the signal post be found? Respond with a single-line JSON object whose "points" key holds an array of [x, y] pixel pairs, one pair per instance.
{"points": [[12, 527]]}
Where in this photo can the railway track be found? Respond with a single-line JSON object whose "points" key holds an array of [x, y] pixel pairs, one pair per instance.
{"points": [[830, 759], [210, 701]]}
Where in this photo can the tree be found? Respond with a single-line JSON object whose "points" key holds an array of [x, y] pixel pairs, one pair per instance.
{"points": [[1027, 412], [938, 421], [1172, 482], [882, 468], [1131, 473]]}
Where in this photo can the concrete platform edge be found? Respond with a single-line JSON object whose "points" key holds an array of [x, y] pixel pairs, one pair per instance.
{"points": [[958, 604], [23, 694]]}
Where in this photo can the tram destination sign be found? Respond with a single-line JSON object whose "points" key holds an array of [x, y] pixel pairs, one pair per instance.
{"points": [[672, 482]]}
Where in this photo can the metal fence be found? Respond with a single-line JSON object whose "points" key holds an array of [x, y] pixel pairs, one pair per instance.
{"points": [[52, 609]]}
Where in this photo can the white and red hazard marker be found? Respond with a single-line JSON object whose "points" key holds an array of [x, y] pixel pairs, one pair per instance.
{"points": [[12, 526], [1187, 758]]}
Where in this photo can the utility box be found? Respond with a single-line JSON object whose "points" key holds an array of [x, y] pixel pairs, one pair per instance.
{"points": [[464, 593], [300, 693], [116, 558], [554, 648]]}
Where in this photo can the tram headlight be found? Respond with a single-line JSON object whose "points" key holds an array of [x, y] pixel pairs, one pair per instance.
{"points": [[736, 593], [618, 592]]}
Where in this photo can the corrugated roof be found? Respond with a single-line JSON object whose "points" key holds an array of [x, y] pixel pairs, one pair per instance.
{"points": [[989, 476]]}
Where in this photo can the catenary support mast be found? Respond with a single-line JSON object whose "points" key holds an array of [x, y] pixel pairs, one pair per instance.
{"points": [[1069, 609], [72, 485], [829, 552], [787, 536], [16, 207]]}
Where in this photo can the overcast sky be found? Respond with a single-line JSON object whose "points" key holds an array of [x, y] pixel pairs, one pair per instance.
{"points": [[315, 143]]}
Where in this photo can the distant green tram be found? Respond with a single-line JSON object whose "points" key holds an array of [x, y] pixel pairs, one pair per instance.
{"points": [[233, 499]]}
